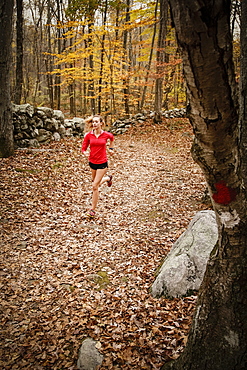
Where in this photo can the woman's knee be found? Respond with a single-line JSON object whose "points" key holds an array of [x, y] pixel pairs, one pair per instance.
{"points": [[95, 186]]}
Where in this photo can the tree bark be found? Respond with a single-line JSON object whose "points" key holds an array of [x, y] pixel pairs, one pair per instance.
{"points": [[218, 337], [6, 127], [57, 90], [150, 59], [48, 59], [126, 57], [102, 58], [161, 59], [91, 92], [243, 89], [19, 51]]}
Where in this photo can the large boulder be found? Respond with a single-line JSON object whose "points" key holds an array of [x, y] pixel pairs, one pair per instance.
{"points": [[89, 356], [183, 269]]}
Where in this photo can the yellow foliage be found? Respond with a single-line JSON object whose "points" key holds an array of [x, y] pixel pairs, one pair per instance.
{"points": [[95, 54]]}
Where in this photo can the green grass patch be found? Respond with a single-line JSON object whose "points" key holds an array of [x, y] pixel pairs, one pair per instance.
{"points": [[102, 279], [26, 170]]}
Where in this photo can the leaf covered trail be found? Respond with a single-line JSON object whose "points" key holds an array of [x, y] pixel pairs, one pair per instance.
{"points": [[64, 278]]}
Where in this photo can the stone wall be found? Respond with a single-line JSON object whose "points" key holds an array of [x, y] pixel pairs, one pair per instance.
{"points": [[36, 126], [120, 126]]}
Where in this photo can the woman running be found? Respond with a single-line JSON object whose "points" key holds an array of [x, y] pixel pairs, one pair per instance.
{"points": [[97, 139]]}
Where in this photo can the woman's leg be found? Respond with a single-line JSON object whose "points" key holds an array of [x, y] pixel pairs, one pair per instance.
{"points": [[104, 178], [97, 181], [93, 173]]}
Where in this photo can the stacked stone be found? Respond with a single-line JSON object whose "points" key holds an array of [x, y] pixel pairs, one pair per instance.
{"points": [[36, 126], [120, 126]]}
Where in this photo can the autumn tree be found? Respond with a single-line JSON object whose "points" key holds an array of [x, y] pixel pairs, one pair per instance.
{"points": [[92, 55], [218, 337], [6, 128]]}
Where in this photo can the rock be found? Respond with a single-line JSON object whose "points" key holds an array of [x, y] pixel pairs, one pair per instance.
{"points": [[89, 356], [183, 269], [140, 116], [48, 112], [23, 109], [38, 122], [51, 124], [35, 132], [58, 115], [78, 120], [56, 136], [41, 114], [79, 124], [22, 143], [69, 123], [33, 143], [68, 132], [44, 136], [61, 130]]}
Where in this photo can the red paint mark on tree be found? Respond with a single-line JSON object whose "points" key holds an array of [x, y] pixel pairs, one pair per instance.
{"points": [[224, 194]]}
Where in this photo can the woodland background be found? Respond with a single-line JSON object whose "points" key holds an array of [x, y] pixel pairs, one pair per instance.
{"points": [[99, 56], [78, 58]]}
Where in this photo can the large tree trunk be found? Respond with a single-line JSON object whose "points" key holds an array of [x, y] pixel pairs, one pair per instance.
{"points": [[218, 337], [243, 90], [6, 128]]}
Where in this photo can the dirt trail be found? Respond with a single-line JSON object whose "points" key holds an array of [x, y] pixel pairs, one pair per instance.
{"points": [[64, 277]]}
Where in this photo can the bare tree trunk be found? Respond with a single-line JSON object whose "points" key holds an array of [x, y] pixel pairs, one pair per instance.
{"points": [[84, 87], [71, 88], [59, 49], [91, 66], [150, 59], [102, 58], [6, 127], [126, 67], [48, 60], [218, 337], [19, 51], [160, 59]]}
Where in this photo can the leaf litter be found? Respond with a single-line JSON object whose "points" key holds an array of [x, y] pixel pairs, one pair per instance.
{"points": [[65, 278]]}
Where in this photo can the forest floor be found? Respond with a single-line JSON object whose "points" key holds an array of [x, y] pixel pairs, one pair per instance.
{"points": [[65, 278]]}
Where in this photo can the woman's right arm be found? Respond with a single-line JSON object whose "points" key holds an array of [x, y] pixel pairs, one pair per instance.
{"points": [[85, 145]]}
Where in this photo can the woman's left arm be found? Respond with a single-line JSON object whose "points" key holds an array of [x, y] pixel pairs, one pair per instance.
{"points": [[111, 147]]}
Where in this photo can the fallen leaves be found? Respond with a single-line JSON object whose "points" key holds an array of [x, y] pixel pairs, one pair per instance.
{"points": [[64, 278]]}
